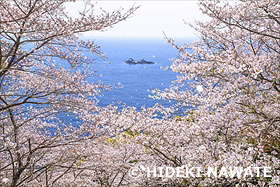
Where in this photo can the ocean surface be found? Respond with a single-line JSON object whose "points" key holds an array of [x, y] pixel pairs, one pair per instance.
{"points": [[136, 80]]}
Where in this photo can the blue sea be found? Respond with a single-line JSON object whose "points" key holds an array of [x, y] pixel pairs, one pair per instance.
{"points": [[137, 80]]}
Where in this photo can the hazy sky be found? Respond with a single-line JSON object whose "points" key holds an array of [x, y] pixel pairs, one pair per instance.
{"points": [[151, 19]]}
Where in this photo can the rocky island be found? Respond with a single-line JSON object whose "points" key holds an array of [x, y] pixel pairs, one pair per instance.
{"points": [[141, 61]]}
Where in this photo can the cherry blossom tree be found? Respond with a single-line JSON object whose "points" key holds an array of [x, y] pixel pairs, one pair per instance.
{"points": [[43, 88], [229, 84]]}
